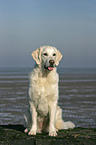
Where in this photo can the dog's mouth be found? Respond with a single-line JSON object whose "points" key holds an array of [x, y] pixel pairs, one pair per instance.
{"points": [[50, 68]]}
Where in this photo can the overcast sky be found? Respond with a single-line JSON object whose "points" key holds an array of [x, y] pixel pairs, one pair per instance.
{"points": [[69, 25]]}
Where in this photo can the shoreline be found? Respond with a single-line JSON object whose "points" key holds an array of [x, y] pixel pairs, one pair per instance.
{"points": [[14, 135]]}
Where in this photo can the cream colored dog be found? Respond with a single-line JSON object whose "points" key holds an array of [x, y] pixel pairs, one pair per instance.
{"points": [[44, 115]]}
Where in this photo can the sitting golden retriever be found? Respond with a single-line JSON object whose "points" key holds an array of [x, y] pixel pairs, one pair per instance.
{"points": [[44, 115]]}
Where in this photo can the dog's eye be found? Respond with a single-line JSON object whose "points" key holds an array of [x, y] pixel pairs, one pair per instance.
{"points": [[45, 54], [54, 54]]}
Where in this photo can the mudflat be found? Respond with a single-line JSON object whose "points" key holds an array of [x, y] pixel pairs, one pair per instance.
{"points": [[77, 95]]}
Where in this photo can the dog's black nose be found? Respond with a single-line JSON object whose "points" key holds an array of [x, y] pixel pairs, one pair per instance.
{"points": [[51, 62]]}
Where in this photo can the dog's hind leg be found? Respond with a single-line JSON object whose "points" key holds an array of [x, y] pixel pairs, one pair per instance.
{"points": [[27, 121]]}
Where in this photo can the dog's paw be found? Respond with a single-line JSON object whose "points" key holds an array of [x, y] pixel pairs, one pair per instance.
{"points": [[53, 133], [56, 129], [26, 130], [32, 132]]}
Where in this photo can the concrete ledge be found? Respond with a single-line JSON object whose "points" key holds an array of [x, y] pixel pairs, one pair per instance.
{"points": [[14, 135]]}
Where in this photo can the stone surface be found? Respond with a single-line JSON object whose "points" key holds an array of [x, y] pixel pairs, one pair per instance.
{"points": [[14, 135]]}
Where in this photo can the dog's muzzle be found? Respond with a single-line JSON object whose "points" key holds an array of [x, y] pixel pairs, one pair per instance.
{"points": [[51, 65]]}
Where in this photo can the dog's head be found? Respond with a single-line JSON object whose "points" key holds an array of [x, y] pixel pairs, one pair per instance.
{"points": [[47, 57]]}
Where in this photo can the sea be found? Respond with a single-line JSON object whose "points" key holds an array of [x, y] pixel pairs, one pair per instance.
{"points": [[77, 95]]}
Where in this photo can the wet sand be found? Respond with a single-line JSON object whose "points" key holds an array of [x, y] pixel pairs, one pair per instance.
{"points": [[77, 98]]}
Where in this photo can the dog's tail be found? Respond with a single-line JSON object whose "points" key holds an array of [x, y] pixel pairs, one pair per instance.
{"points": [[60, 124]]}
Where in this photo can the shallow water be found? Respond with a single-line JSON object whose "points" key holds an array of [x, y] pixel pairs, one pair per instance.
{"points": [[77, 99]]}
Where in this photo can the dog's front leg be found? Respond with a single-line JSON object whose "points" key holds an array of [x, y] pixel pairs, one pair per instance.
{"points": [[33, 114], [52, 113]]}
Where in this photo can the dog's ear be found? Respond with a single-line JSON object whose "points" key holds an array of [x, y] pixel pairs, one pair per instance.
{"points": [[37, 56], [58, 57]]}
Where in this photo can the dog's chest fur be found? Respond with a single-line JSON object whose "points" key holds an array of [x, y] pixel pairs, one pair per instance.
{"points": [[43, 89]]}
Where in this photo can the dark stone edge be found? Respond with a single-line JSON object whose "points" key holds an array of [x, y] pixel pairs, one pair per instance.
{"points": [[14, 135]]}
